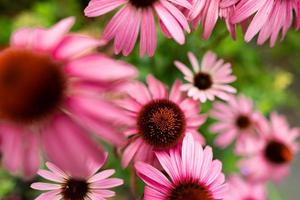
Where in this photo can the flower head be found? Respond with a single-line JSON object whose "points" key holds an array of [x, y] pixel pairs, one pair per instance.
{"points": [[138, 16], [190, 174], [208, 80], [239, 188], [89, 184], [158, 121], [237, 120], [274, 153], [50, 85]]}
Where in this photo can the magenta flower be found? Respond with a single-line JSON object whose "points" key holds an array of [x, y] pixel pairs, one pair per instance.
{"points": [[209, 80], [238, 121], [158, 121], [49, 89], [274, 153], [87, 184], [270, 17], [191, 174], [240, 189], [138, 16]]}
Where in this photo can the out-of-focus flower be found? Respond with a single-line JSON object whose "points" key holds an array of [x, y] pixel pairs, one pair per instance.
{"points": [[274, 153], [50, 88], [208, 80], [138, 16], [238, 121], [241, 189], [190, 174], [158, 121], [87, 184], [267, 17]]}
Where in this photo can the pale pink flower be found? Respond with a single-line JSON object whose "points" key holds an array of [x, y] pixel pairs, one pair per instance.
{"points": [[268, 18], [237, 120], [159, 121], [190, 173], [50, 88], [88, 184], [274, 153], [241, 189], [208, 80], [136, 16]]}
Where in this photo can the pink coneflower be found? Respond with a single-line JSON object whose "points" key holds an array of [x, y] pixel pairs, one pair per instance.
{"points": [[191, 174], [89, 184], [270, 17], [158, 121], [49, 89], [138, 16], [274, 153], [209, 80], [240, 189], [237, 120]]}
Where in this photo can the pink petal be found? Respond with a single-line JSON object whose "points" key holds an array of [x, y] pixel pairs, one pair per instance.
{"points": [[54, 36], [95, 68], [45, 186], [152, 177], [258, 21], [101, 175], [130, 151], [170, 23], [157, 89], [75, 45], [148, 33], [68, 146], [100, 7]]}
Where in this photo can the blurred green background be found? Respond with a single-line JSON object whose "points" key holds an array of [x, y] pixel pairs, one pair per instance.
{"points": [[270, 76]]}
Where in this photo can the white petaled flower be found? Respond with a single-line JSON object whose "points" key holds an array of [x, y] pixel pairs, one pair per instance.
{"points": [[208, 80]]}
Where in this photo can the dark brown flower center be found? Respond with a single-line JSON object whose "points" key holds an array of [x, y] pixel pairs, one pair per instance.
{"points": [[75, 189], [142, 3], [278, 153], [243, 122], [31, 85], [203, 81], [190, 191], [161, 123]]}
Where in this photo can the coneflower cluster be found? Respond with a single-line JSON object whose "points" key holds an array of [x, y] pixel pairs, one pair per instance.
{"points": [[59, 97], [264, 18]]}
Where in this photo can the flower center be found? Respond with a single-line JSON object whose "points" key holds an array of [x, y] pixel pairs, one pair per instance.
{"points": [[278, 153], [31, 85], [142, 3], [243, 122], [192, 191], [203, 81], [161, 123], [75, 189]]}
